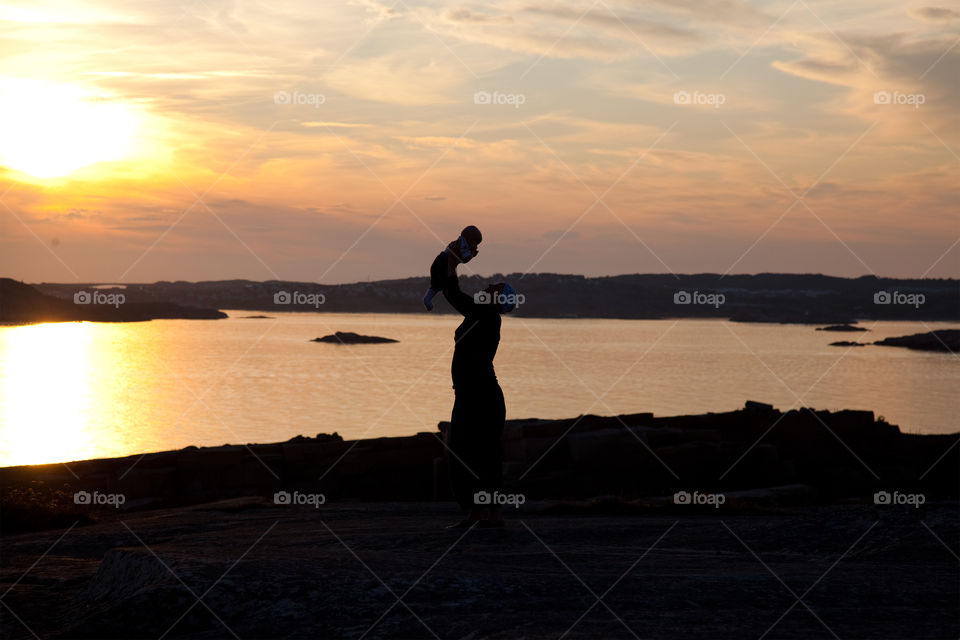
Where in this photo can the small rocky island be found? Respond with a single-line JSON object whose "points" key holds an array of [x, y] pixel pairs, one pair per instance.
{"points": [[348, 337], [941, 340], [842, 327]]}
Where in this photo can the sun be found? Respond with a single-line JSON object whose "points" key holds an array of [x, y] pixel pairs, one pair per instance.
{"points": [[51, 130]]}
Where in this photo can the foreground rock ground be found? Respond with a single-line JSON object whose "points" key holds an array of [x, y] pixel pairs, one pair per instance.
{"points": [[832, 524], [249, 568]]}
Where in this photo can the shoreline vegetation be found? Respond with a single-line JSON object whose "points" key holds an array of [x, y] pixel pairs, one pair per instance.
{"points": [[766, 297], [757, 455]]}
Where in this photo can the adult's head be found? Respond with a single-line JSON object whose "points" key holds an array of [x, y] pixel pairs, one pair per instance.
{"points": [[503, 296]]}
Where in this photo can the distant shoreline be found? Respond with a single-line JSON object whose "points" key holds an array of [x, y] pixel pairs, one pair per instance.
{"points": [[774, 298]]}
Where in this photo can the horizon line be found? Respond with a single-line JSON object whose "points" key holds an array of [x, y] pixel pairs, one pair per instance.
{"points": [[496, 274]]}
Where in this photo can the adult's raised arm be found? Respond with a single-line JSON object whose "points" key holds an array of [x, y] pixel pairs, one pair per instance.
{"points": [[457, 298]]}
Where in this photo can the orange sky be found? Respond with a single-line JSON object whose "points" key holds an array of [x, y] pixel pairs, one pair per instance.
{"points": [[141, 142]]}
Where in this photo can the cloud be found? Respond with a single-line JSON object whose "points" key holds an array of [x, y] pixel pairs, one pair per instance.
{"points": [[731, 13], [466, 15], [935, 14], [614, 24], [400, 78], [335, 125], [907, 64], [606, 31], [442, 142]]}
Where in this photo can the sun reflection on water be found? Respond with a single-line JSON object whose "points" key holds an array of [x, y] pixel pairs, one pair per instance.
{"points": [[45, 392]]}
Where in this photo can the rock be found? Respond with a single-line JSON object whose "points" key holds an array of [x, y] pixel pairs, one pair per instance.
{"points": [[940, 340], [841, 327], [603, 446], [348, 337], [753, 405], [125, 571]]}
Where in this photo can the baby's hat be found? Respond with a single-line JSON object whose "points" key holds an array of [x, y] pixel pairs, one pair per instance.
{"points": [[472, 235]]}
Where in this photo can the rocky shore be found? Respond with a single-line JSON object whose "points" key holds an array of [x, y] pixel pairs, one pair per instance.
{"points": [[768, 456], [947, 340], [798, 525]]}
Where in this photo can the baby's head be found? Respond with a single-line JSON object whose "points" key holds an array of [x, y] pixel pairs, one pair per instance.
{"points": [[469, 240]]}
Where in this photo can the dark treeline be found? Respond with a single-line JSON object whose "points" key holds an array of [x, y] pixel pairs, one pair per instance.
{"points": [[766, 297]]}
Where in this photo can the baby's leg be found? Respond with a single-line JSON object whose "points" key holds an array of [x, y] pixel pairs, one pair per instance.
{"points": [[438, 275]]}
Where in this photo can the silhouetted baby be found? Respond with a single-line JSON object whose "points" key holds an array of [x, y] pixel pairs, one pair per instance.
{"points": [[463, 249]]}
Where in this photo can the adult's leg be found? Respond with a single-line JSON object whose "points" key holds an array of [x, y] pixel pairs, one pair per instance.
{"points": [[464, 451], [490, 441]]}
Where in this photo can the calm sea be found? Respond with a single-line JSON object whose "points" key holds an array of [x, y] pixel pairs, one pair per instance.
{"points": [[70, 391]]}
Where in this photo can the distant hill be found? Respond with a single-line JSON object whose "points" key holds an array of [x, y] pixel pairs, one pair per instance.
{"points": [[765, 297], [21, 303]]}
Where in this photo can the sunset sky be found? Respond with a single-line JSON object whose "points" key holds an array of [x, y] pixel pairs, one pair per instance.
{"points": [[336, 142]]}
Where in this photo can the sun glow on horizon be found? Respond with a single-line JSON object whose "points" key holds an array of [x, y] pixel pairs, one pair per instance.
{"points": [[51, 130]]}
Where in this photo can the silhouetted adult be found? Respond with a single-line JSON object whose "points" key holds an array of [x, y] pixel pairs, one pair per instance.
{"points": [[476, 424]]}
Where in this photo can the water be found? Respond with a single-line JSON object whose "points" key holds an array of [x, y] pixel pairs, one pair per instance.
{"points": [[71, 391]]}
